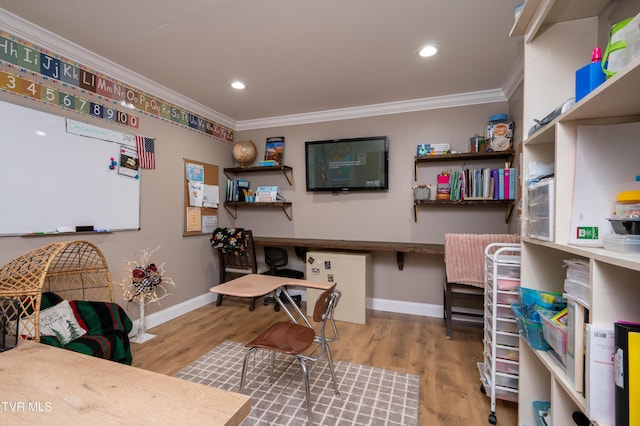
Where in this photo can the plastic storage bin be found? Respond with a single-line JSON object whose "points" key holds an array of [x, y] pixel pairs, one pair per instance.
{"points": [[532, 300], [507, 366], [531, 330], [509, 271], [542, 410], [507, 297], [508, 283], [540, 208], [508, 325], [554, 334], [507, 380], [622, 243], [507, 352], [506, 339]]}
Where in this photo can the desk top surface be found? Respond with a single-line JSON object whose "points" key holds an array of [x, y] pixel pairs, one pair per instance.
{"points": [[425, 248], [46, 385], [256, 285]]}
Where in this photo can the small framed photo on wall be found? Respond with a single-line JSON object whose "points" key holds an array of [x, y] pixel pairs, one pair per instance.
{"points": [[274, 150]]}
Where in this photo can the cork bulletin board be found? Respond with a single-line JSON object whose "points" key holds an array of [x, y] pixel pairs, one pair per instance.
{"points": [[198, 220]]}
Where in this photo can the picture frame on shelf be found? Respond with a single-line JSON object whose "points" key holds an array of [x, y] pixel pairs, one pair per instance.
{"points": [[274, 150]]}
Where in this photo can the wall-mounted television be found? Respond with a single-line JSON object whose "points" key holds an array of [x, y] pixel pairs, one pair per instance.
{"points": [[354, 164]]}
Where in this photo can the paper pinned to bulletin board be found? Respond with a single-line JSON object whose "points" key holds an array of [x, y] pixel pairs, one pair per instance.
{"points": [[200, 211]]}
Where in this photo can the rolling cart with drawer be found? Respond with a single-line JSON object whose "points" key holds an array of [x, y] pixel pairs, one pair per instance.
{"points": [[499, 371]]}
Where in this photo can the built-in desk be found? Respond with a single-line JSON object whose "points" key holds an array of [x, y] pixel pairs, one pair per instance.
{"points": [[320, 244]]}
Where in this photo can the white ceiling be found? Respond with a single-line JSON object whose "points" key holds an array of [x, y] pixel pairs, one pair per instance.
{"points": [[295, 56]]}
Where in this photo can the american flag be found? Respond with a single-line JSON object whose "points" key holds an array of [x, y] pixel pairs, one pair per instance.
{"points": [[146, 152]]}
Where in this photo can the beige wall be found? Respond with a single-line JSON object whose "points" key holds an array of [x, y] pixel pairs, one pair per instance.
{"points": [[384, 216], [188, 260]]}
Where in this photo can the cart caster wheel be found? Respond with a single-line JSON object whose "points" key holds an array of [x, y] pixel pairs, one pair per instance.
{"points": [[483, 390], [276, 307], [265, 302], [492, 419]]}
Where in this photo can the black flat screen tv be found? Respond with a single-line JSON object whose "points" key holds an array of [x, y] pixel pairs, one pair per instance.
{"points": [[354, 164]]}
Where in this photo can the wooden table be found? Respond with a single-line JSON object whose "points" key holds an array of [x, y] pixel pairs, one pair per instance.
{"points": [[256, 285], [41, 384], [319, 244]]}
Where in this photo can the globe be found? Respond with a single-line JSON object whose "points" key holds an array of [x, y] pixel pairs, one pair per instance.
{"points": [[244, 152]]}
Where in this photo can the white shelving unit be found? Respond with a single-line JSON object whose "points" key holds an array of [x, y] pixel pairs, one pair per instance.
{"points": [[499, 371], [557, 44]]}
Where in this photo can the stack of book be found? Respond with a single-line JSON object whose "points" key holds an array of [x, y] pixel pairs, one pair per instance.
{"points": [[504, 183], [576, 283], [577, 291], [483, 184], [237, 189]]}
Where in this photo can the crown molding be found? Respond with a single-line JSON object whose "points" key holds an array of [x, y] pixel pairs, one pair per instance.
{"points": [[41, 37], [438, 102], [515, 77], [45, 39]]}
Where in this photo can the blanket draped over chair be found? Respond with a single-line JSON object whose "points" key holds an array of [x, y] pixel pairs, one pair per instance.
{"points": [[107, 327], [464, 256], [230, 240]]}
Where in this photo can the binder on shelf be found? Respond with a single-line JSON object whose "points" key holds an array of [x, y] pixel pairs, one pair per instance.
{"points": [[599, 391], [237, 189], [627, 373], [513, 191], [577, 315], [496, 184], [507, 184]]}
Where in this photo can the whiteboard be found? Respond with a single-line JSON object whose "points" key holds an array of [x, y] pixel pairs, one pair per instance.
{"points": [[61, 179]]}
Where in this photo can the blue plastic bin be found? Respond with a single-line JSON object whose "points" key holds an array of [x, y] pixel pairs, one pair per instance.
{"points": [[530, 329]]}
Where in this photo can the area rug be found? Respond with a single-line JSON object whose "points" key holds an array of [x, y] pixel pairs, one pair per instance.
{"points": [[368, 396]]}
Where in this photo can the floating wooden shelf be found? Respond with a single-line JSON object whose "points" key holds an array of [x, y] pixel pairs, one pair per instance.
{"points": [[509, 204], [232, 207], [287, 171], [508, 156]]}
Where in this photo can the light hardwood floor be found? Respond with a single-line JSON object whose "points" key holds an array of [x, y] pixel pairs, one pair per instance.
{"points": [[449, 385]]}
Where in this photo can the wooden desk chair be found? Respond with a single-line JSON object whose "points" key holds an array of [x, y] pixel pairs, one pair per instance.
{"points": [[296, 340], [236, 256], [277, 259]]}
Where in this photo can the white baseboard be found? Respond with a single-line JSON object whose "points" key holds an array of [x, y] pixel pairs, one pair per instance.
{"points": [[158, 318], [411, 308]]}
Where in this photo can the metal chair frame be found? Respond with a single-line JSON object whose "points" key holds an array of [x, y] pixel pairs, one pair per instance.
{"points": [[322, 314]]}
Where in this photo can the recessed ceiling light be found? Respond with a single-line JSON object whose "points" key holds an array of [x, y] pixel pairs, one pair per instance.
{"points": [[237, 85], [428, 51]]}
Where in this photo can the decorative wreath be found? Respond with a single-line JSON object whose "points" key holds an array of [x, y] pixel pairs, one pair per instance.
{"points": [[147, 280]]}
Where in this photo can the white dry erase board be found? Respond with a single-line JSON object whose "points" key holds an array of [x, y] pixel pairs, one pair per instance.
{"points": [[60, 179]]}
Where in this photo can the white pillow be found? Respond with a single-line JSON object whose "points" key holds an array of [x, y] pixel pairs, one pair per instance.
{"points": [[60, 322]]}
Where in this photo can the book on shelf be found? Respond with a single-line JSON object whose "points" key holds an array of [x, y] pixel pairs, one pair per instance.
{"points": [[268, 194], [577, 317], [599, 372], [477, 184], [237, 189], [627, 373], [507, 187]]}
